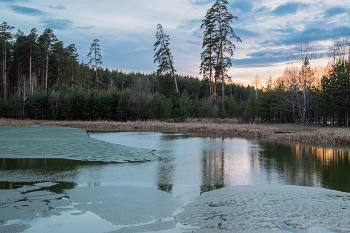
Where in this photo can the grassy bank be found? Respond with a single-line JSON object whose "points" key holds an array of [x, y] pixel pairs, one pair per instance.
{"points": [[285, 132]]}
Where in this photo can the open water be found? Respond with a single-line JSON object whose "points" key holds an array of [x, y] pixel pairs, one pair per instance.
{"points": [[68, 180]]}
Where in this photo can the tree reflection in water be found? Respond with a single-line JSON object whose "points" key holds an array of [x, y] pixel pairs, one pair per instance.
{"points": [[165, 173], [213, 161], [307, 165], [28, 172]]}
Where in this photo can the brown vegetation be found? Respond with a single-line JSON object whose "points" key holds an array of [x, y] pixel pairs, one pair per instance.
{"points": [[285, 132], [207, 127], [319, 136]]}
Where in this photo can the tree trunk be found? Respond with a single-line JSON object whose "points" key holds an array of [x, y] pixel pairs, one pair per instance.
{"points": [[18, 76], [222, 67], [177, 90], [211, 89], [4, 72], [46, 68], [96, 86], [72, 79], [24, 94], [30, 71]]}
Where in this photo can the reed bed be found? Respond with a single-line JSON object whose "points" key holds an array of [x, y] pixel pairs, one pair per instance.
{"points": [[222, 128], [243, 130], [318, 136], [212, 128]]}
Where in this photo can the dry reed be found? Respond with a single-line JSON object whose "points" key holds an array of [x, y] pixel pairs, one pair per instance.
{"points": [[244, 130], [323, 136], [318, 136]]}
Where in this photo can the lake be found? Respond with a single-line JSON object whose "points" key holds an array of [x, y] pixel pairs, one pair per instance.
{"points": [[67, 180]]}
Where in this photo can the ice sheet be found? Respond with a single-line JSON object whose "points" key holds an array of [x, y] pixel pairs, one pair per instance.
{"points": [[66, 143], [270, 207]]}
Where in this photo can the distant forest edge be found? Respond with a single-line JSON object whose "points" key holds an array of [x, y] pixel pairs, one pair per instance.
{"points": [[42, 79]]}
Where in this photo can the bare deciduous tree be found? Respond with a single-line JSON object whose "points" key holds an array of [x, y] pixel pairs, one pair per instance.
{"points": [[339, 51], [300, 81]]}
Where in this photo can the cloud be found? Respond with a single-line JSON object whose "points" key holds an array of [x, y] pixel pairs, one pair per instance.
{"points": [[26, 10], [243, 5], [336, 10], [198, 34], [289, 8], [190, 24], [267, 53], [126, 26], [60, 24], [138, 50], [13, 1], [128, 57], [284, 30], [197, 43], [203, 2], [311, 33], [85, 27], [58, 7], [261, 59], [261, 9], [244, 33]]}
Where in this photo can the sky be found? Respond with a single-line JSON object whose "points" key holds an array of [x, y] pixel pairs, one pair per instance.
{"points": [[270, 30]]}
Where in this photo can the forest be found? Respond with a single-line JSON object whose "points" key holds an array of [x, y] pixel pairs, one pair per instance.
{"points": [[43, 79]]}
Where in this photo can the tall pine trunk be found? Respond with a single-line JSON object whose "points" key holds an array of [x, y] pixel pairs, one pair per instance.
{"points": [[222, 68], [96, 85], [171, 64], [30, 70], [46, 68], [4, 72]]}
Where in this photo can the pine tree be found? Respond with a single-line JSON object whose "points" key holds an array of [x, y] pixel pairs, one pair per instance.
{"points": [[217, 37], [45, 40], [163, 55], [156, 109], [32, 42], [72, 59], [5, 36], [209, 55], [95, 58]]}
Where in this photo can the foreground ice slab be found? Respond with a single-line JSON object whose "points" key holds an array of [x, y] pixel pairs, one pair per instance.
{"points": [[33, 209], [269, 208], [65, 143]]}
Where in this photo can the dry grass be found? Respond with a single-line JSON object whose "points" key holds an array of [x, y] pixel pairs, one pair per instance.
{"points": [[225, 127], [208, 127], [318, 136]]}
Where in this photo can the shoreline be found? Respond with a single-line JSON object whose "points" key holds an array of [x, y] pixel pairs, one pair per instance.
{"points": [[283, 132]]}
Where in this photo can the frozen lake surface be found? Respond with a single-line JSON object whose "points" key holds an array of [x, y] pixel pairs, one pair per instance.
{"points": [[66, 180]]}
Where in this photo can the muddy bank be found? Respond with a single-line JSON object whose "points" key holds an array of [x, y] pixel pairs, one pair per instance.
{"points": [[282, 132]]}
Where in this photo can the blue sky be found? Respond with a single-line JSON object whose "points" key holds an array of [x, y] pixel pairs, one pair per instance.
{"points": [[269, 29]]}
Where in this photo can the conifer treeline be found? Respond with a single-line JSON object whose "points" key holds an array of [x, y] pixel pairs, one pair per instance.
{"points": [[42, 79], [143, 97]]}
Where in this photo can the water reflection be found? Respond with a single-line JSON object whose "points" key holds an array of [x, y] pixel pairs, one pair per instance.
{"points": [[166, 162], [307, 165], [213, 172], [165, 174], [186, 167], [58, 188], [42, 163], [32, 171]]}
